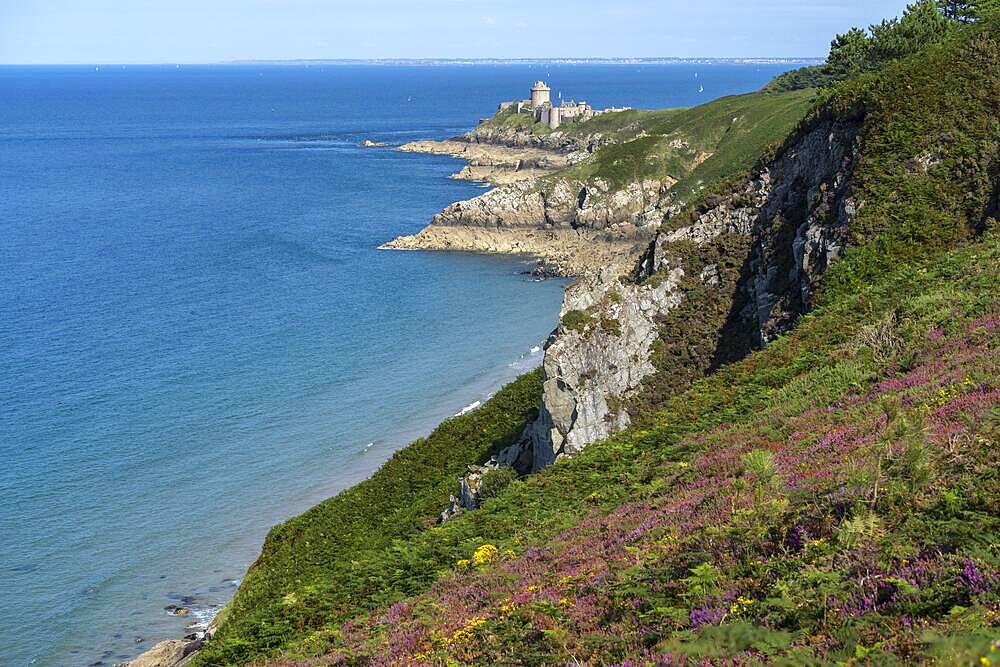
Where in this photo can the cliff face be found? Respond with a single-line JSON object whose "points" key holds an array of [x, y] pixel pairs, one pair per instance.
{"points": [[577, 227], [739, 271], [563, 203], [803, 223]]}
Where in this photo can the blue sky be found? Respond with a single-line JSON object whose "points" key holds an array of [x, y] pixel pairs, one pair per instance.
{"points": [[190, 31]]}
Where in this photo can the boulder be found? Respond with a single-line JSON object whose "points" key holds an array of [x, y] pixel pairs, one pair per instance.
{"points": [[169, 653]]}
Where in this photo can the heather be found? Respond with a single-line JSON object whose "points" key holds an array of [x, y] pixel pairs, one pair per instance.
{"points": [[833, 497]]}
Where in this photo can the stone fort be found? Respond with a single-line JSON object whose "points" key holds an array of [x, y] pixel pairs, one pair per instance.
{"points": [[541, 107]]}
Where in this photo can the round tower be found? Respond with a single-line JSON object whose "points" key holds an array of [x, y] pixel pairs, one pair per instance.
{"points": [[539, 94], [554, 118]]}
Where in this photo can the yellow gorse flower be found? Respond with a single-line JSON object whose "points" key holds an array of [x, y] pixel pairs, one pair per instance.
{"points": [[485, 554], [467, 631]]}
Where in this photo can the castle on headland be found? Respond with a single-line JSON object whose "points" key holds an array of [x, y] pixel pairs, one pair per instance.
{"points": [[541, 107]]}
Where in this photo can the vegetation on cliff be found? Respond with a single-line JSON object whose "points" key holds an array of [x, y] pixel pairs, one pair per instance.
{"points": [[832, 498], [696, 147], [346, 555], [860, 51]]}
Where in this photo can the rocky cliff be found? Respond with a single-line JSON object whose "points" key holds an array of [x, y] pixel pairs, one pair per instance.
{"points": [[713, 284], [494, 163], [623, 175], [575, 226]]}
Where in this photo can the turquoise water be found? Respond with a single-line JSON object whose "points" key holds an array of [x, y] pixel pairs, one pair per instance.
{"points": [[198, 336]]}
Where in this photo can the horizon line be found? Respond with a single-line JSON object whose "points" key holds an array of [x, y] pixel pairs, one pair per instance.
{"points": [[625, 60]]}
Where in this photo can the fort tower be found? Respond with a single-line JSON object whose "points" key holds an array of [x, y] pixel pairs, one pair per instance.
{"points": [[539, 94]]}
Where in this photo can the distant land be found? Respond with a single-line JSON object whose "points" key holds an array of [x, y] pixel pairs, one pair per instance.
{"points": [[538, 61]]}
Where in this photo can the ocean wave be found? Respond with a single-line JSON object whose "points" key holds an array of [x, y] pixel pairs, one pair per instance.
{"points": [[202, 616], [469, 408]]}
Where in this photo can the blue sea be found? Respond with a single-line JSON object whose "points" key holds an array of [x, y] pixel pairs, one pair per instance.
{"points": [[198, 335]]}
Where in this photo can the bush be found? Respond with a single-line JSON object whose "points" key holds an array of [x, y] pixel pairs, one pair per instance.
{"points": [[576, 320], [494, 481]]}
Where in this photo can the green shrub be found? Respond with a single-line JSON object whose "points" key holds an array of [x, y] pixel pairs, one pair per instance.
{"points": [[495, 480], [576, 320]]}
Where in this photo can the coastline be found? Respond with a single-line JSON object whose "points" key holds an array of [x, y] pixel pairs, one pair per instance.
{"points": [[550, 253], [403, 190], [563, 252], [177, 652], [491, 163], [554, 252]]}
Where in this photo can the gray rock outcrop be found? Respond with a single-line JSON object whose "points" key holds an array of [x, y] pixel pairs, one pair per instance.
{"points": [[794, 213], [169, 653], [473, 487], [577, 227], [590, 369], [563, 203]]}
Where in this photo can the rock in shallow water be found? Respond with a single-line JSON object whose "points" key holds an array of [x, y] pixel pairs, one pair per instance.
{"points": [[168, 653]]}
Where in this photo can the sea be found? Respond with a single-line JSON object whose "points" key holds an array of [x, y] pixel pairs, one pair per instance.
{"points": [[199, 336]]}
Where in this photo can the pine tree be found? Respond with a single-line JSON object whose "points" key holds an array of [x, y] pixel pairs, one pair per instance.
{"points": [[850, 54], [968, 11], [921, 24]]}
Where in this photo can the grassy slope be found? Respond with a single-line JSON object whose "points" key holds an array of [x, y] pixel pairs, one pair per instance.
{"points": [[620, 126], [700, 146], [826, 498], [914, 418], [332, 560]]}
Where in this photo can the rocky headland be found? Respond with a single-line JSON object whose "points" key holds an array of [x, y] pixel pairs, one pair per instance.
{"points": [[493, 163], [740, 269], [589, 196], [739, 266], [576, 226]]}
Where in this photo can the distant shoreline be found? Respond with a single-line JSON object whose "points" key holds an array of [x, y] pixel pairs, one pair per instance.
{"points": [[446, 62], [762, 60]]}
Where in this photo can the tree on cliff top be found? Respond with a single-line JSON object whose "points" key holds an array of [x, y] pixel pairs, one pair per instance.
{"points": [[968, 11], [858, 51]]}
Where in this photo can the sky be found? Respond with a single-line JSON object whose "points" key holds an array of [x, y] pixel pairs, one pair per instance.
{"points": [[210, 31]]}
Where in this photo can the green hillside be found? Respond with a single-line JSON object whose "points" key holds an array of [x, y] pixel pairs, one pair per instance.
{"points": [[614, 127], [830, 499], [697, 147]]}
